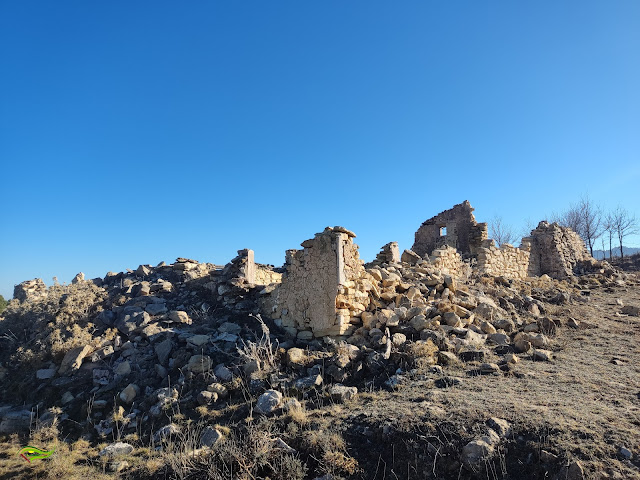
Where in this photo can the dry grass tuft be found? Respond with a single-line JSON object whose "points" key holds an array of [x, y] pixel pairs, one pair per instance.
{"points": [[331, 451], [261, 351], [298, 415]]}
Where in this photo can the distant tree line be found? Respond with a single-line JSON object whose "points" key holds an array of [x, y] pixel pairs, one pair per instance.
{"points": [[585, 218], [592, 223]]}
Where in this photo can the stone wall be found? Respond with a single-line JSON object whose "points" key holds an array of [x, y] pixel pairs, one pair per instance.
{"points": [[456, 228], [324, 287], [30, 290], [550, 249], [266, 275], [555, 250], [448, 261], [507, 261], [233, 285]]}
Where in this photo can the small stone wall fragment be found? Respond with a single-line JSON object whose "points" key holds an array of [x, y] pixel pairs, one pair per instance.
{"points": [[448, 261], [234, 283], [389, 253], [30, 290], [324, 288], [266, 275]]}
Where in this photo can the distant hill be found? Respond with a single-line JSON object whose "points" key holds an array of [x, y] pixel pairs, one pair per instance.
{"points": [[598, 254]]}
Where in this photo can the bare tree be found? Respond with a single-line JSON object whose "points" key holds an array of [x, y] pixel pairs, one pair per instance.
{"points": [[572, 218], [584, 218], [625, 224], [591, 217], [527, 227], [500, 232], [608, 228]]}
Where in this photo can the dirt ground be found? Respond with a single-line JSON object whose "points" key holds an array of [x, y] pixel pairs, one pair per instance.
{"points": [[583, 406]]}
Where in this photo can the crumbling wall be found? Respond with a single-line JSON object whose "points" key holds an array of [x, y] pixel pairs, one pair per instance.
{"points": [[507, 261], [323, 290], [266, 275], [551, 249], [555, 250], [234, 284], [30, 290], [456, 228], [389, 253], [448, 261]]}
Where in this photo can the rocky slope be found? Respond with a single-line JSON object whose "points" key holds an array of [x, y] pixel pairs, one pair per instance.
{"points": [[137, 360]]}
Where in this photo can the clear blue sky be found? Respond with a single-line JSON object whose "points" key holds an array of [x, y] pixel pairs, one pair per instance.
{"points": [[136, 132]]}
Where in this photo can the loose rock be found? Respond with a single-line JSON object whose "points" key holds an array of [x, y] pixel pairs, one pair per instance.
{"points": [[268, 402]]}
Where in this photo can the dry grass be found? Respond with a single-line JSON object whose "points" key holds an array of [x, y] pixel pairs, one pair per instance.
{"points": [[298, 415], [331, 451], [261, 351], [68, 462]]}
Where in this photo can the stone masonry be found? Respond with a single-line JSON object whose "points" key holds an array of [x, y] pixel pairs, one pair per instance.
{"points": [[507, 261], [389, 253], [456, 228], [447, 260], [555, 250], [324, 288], [550, 249], [30, 290]]}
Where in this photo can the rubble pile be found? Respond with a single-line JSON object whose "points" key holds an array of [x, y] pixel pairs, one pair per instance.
{"points": [[182, 337]]}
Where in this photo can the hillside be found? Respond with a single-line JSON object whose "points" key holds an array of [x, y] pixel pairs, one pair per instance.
{"points": [[435, 368], [627, 251]]}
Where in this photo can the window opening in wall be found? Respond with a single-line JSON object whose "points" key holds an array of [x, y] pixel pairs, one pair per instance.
{"points": [[443, 231]]}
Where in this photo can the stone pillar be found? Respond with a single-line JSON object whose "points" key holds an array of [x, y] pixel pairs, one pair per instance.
{"points": [[250, 267], [340, 239]]}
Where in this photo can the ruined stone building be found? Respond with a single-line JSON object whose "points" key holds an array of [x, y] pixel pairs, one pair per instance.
{"points": [[550, 249], [456, 228], [325, 289], [554, 250]]}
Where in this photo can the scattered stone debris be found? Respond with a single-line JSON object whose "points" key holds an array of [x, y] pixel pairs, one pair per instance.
{"points": [[128, 351]]}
